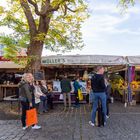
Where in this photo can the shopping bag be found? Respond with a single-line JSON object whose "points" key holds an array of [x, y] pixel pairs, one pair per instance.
{"points": [[61, 97], [31, 117], [80, 95]]}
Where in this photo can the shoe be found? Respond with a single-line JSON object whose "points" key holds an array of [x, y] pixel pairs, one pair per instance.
{"points": [[107, 117], [71, 108], [104, 123], [92, 124], [65, 109], [46, 111], [24, 128], [36, 127], [77, 106], [40, 113]]}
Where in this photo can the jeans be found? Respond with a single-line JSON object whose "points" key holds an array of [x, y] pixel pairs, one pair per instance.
{"points": [[107, 105], [50, 101], [76, 98], [43, 104], [98, 96]]}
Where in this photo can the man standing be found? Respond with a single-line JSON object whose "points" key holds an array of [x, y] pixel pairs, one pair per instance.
{"points": [[99, 89], [66, 89]]}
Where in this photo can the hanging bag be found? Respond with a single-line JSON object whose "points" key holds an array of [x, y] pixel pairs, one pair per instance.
{"points": [[31, 117], [61, 97], [80, 95]]}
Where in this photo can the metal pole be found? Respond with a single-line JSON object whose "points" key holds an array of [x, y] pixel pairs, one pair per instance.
{"points": [[125, 84]]}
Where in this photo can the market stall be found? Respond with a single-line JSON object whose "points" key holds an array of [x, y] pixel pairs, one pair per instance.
{"points": [[77, 65], [9, 77]]}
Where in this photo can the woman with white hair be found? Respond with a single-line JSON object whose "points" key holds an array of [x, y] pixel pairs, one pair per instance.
{"points": [[40, 98], [26, 98]]}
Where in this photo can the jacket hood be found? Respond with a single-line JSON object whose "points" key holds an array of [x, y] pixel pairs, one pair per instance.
{"points": [[21, 83]]}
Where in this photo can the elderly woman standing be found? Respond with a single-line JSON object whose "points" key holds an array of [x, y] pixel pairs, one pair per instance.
{"points": [[26, 98]]}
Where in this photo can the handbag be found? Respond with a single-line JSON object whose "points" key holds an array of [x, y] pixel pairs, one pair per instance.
{"points": [[61, 97], [80, 95], [31, 117]]}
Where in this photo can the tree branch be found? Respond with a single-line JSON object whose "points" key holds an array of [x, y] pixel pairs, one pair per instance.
{"points": [[57, 6], [71, 9], [29, 16], [36, 8]]}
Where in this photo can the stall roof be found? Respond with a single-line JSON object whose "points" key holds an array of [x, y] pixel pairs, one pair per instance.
{"points": [[83, 60], [9, 65], [133, 60]]}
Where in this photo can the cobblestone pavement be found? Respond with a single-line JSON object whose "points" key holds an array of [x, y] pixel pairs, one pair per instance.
{"points": [[124, 124]]}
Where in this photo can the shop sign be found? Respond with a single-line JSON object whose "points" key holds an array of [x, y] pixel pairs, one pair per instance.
{"points": [[54, 61]]}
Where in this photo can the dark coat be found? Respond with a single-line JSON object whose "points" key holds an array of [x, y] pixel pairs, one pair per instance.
{"points": [[65, 85], [25, 91], [44, 90]]}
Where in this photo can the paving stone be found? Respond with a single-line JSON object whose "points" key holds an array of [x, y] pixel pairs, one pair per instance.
{"points": [[123, 124]]}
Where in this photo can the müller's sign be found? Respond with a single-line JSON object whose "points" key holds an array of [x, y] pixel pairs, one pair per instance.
{"points": [[53, 61], [84, 59]]}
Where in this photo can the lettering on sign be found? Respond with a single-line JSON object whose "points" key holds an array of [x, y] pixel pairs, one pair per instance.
{"points": [[53, 61]]}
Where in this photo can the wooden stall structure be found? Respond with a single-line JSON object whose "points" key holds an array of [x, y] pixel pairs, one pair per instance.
{"points": [[76, 65], [8, 67]]}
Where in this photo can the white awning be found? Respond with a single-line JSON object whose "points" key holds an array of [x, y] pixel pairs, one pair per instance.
{"points": [[9, 65], [133, 60], [83, 60]]}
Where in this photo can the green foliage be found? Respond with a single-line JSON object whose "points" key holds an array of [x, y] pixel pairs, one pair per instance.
{"points": [[64, 29], [126, 3]]}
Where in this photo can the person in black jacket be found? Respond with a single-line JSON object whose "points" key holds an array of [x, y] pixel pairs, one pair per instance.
{"points": [[99, 89], [66, 89]]}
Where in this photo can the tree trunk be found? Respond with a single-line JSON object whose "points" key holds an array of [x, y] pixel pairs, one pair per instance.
{"points": [[34, 53]]}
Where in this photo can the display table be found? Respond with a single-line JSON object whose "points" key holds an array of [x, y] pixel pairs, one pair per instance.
{"points": [[3, 90], [56, 96], [120, 94], [137, 94]]}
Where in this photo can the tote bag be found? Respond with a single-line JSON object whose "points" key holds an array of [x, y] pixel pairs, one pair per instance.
{"points": [[80, 95], [31, 117], [61, 97]]}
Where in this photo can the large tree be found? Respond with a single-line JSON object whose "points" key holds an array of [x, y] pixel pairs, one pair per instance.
{"points": [[54, 24]]}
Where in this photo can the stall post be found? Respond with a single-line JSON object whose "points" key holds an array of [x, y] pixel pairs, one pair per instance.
{"points": [[125, 84], [130, 72]]}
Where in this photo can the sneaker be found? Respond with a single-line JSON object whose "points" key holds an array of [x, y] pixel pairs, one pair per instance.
{"points": [[24, 128], [107, 116], [65, 109], [104, 123], [92, 124], [36, 127]]}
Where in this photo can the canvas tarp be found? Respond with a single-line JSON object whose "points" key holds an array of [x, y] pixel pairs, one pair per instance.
{"points": [[9, 65], [83, 60], [133, 60]]}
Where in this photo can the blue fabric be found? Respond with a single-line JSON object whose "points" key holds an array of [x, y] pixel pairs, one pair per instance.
{"points": [[76, 86], [43, 98], [91, 97], [99, 96], [43, 104]]}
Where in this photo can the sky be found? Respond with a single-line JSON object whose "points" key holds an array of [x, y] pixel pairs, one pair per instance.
{"points": [[108, 31]]}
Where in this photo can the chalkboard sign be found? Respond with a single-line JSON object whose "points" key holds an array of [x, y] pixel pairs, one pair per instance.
{"points": [[39, 75]]}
